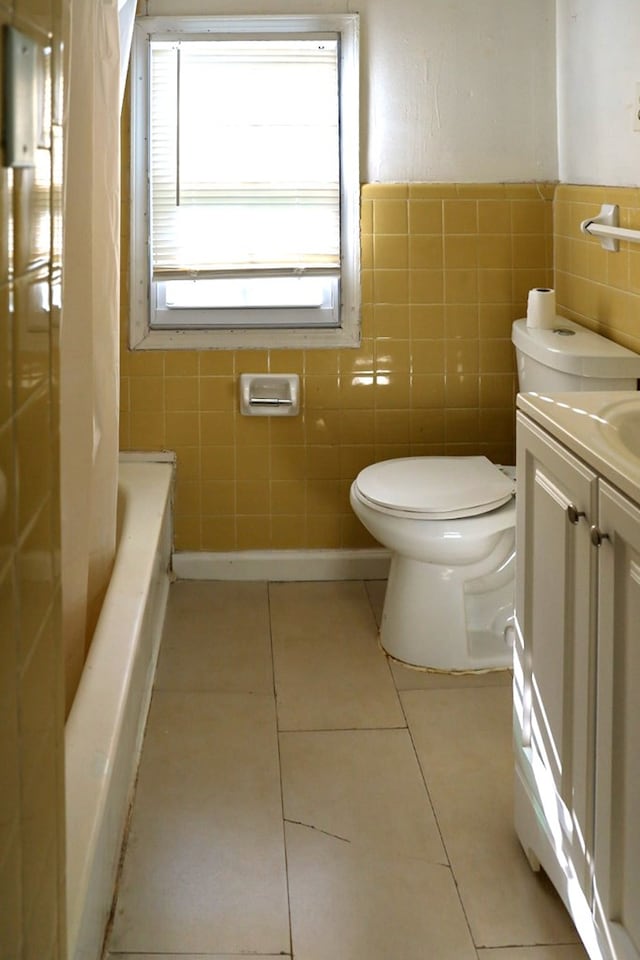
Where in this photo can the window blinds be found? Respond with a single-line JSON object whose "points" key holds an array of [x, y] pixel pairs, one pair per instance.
{"points": [[244, 157]]}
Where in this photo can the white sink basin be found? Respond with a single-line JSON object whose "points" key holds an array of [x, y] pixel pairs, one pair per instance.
{"points": [[622, 427], [603, 428]]}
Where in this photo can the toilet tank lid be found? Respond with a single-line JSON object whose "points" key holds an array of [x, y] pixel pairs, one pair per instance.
{"points": [[436, 487], [570, 348]]}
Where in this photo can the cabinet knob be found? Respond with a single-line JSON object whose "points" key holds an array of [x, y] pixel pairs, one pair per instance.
{"points": [[574, 514], [597, 536]]}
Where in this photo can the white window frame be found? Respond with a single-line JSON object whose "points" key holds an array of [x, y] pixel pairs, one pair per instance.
{"points": [[144, 336]]}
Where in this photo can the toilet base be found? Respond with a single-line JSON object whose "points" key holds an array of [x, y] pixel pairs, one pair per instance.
{"points": [[451, 618]]}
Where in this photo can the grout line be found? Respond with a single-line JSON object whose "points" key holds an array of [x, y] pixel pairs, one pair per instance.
{"points": [[340, 729], [437, 822], [284, 839]]}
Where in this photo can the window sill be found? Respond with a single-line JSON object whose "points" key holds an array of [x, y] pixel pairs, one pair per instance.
{"points": [[256, 339]]}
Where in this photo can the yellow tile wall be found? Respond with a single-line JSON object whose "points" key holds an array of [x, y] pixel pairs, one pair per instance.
{"points": [[32, 896], [446, 268], [596, 287]]}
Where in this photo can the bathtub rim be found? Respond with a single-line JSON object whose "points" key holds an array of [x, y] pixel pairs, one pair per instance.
{"points": [[101, 754]]}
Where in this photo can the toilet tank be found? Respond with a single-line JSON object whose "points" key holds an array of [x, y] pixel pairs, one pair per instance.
{"points": [[571, 358]]}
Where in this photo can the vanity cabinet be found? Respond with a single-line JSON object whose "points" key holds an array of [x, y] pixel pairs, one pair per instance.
{"points": [[577, 688], [617, 773]]}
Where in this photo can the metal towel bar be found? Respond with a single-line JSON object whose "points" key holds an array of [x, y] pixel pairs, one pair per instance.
{"points": [[605, 226], [269, 402]]}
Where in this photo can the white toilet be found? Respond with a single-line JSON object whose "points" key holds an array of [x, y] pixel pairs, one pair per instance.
{"points": [[449, 522]]}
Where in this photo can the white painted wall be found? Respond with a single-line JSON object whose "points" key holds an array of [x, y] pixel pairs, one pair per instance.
{"points": [[453, 90], [460, 90], [457, 90], [598, 67]]}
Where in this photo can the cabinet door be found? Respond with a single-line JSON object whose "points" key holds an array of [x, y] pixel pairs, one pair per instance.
{"points": [[554, 673], [617, 822]]}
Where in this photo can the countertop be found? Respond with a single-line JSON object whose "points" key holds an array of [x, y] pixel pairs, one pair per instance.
{"points": [[590, 425]]}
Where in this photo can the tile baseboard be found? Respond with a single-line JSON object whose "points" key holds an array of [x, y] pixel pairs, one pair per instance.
{"points": [[282, 565]]}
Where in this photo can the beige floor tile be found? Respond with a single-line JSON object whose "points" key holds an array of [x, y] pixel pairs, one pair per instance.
{"points": [[364, 786], [330, 672], [193, 956], [204, 869], [376, 590], [348, 905], [569, 951], [216, 637], [463, 740]]}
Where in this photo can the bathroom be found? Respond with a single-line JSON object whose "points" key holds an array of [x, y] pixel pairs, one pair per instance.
{"points": [[509, 122]]}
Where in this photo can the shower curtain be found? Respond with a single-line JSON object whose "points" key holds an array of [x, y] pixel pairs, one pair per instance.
{"points": [[89, 362]]}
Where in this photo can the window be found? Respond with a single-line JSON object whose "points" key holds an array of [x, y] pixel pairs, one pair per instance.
{"points": [[245, 182]]}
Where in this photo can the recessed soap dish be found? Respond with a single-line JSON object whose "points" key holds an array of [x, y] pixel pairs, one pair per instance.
{"points": [[269, 394]]}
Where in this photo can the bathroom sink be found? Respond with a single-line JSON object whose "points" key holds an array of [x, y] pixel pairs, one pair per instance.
{"points": [[601, 427], [621, 425]]}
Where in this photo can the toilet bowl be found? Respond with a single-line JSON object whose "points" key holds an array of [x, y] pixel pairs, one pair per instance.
{"points": [[449, 524]]}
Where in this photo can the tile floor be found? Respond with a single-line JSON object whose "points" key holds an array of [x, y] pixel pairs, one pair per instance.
{"points": [[301, 796]]}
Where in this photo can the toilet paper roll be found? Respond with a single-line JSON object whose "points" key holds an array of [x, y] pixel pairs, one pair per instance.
{"points": [[541, 308]]}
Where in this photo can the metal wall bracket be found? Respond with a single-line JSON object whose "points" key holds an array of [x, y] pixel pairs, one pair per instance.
{"points": [[19, 98], [269, 394]]}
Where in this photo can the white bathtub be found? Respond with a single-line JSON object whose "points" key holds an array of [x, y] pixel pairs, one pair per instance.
{"points": [[104, 730]]}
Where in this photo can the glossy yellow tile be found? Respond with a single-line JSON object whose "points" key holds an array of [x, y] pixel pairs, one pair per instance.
{"points": [[385, 191], [288, 532], [495, 286], [460, 251], [528, 216], [392, 286], [288, 497], [146, 430], [324, 532], [425, 252], [426, 286], [390, 216], [218, 463], [391, 320], [356, 426], [181, 363], [392, 356], [494, 217], [446, 269], [217, 497], [461, 321], [427, 320], [252, 463], [253, 532], [216, 427], [461, 286], [216, 363], [460, 216], [188, 500], [288, 464], [253, 498], [218, 393], [425, 217], [188, 460], [182, 428], [181, 393], [390, 252], [147, 393], [216, 533], [427, 356], [392, 426], [392, 391]]}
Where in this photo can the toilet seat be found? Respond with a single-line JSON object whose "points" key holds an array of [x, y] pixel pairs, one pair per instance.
{"points": [[434, 488]]}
